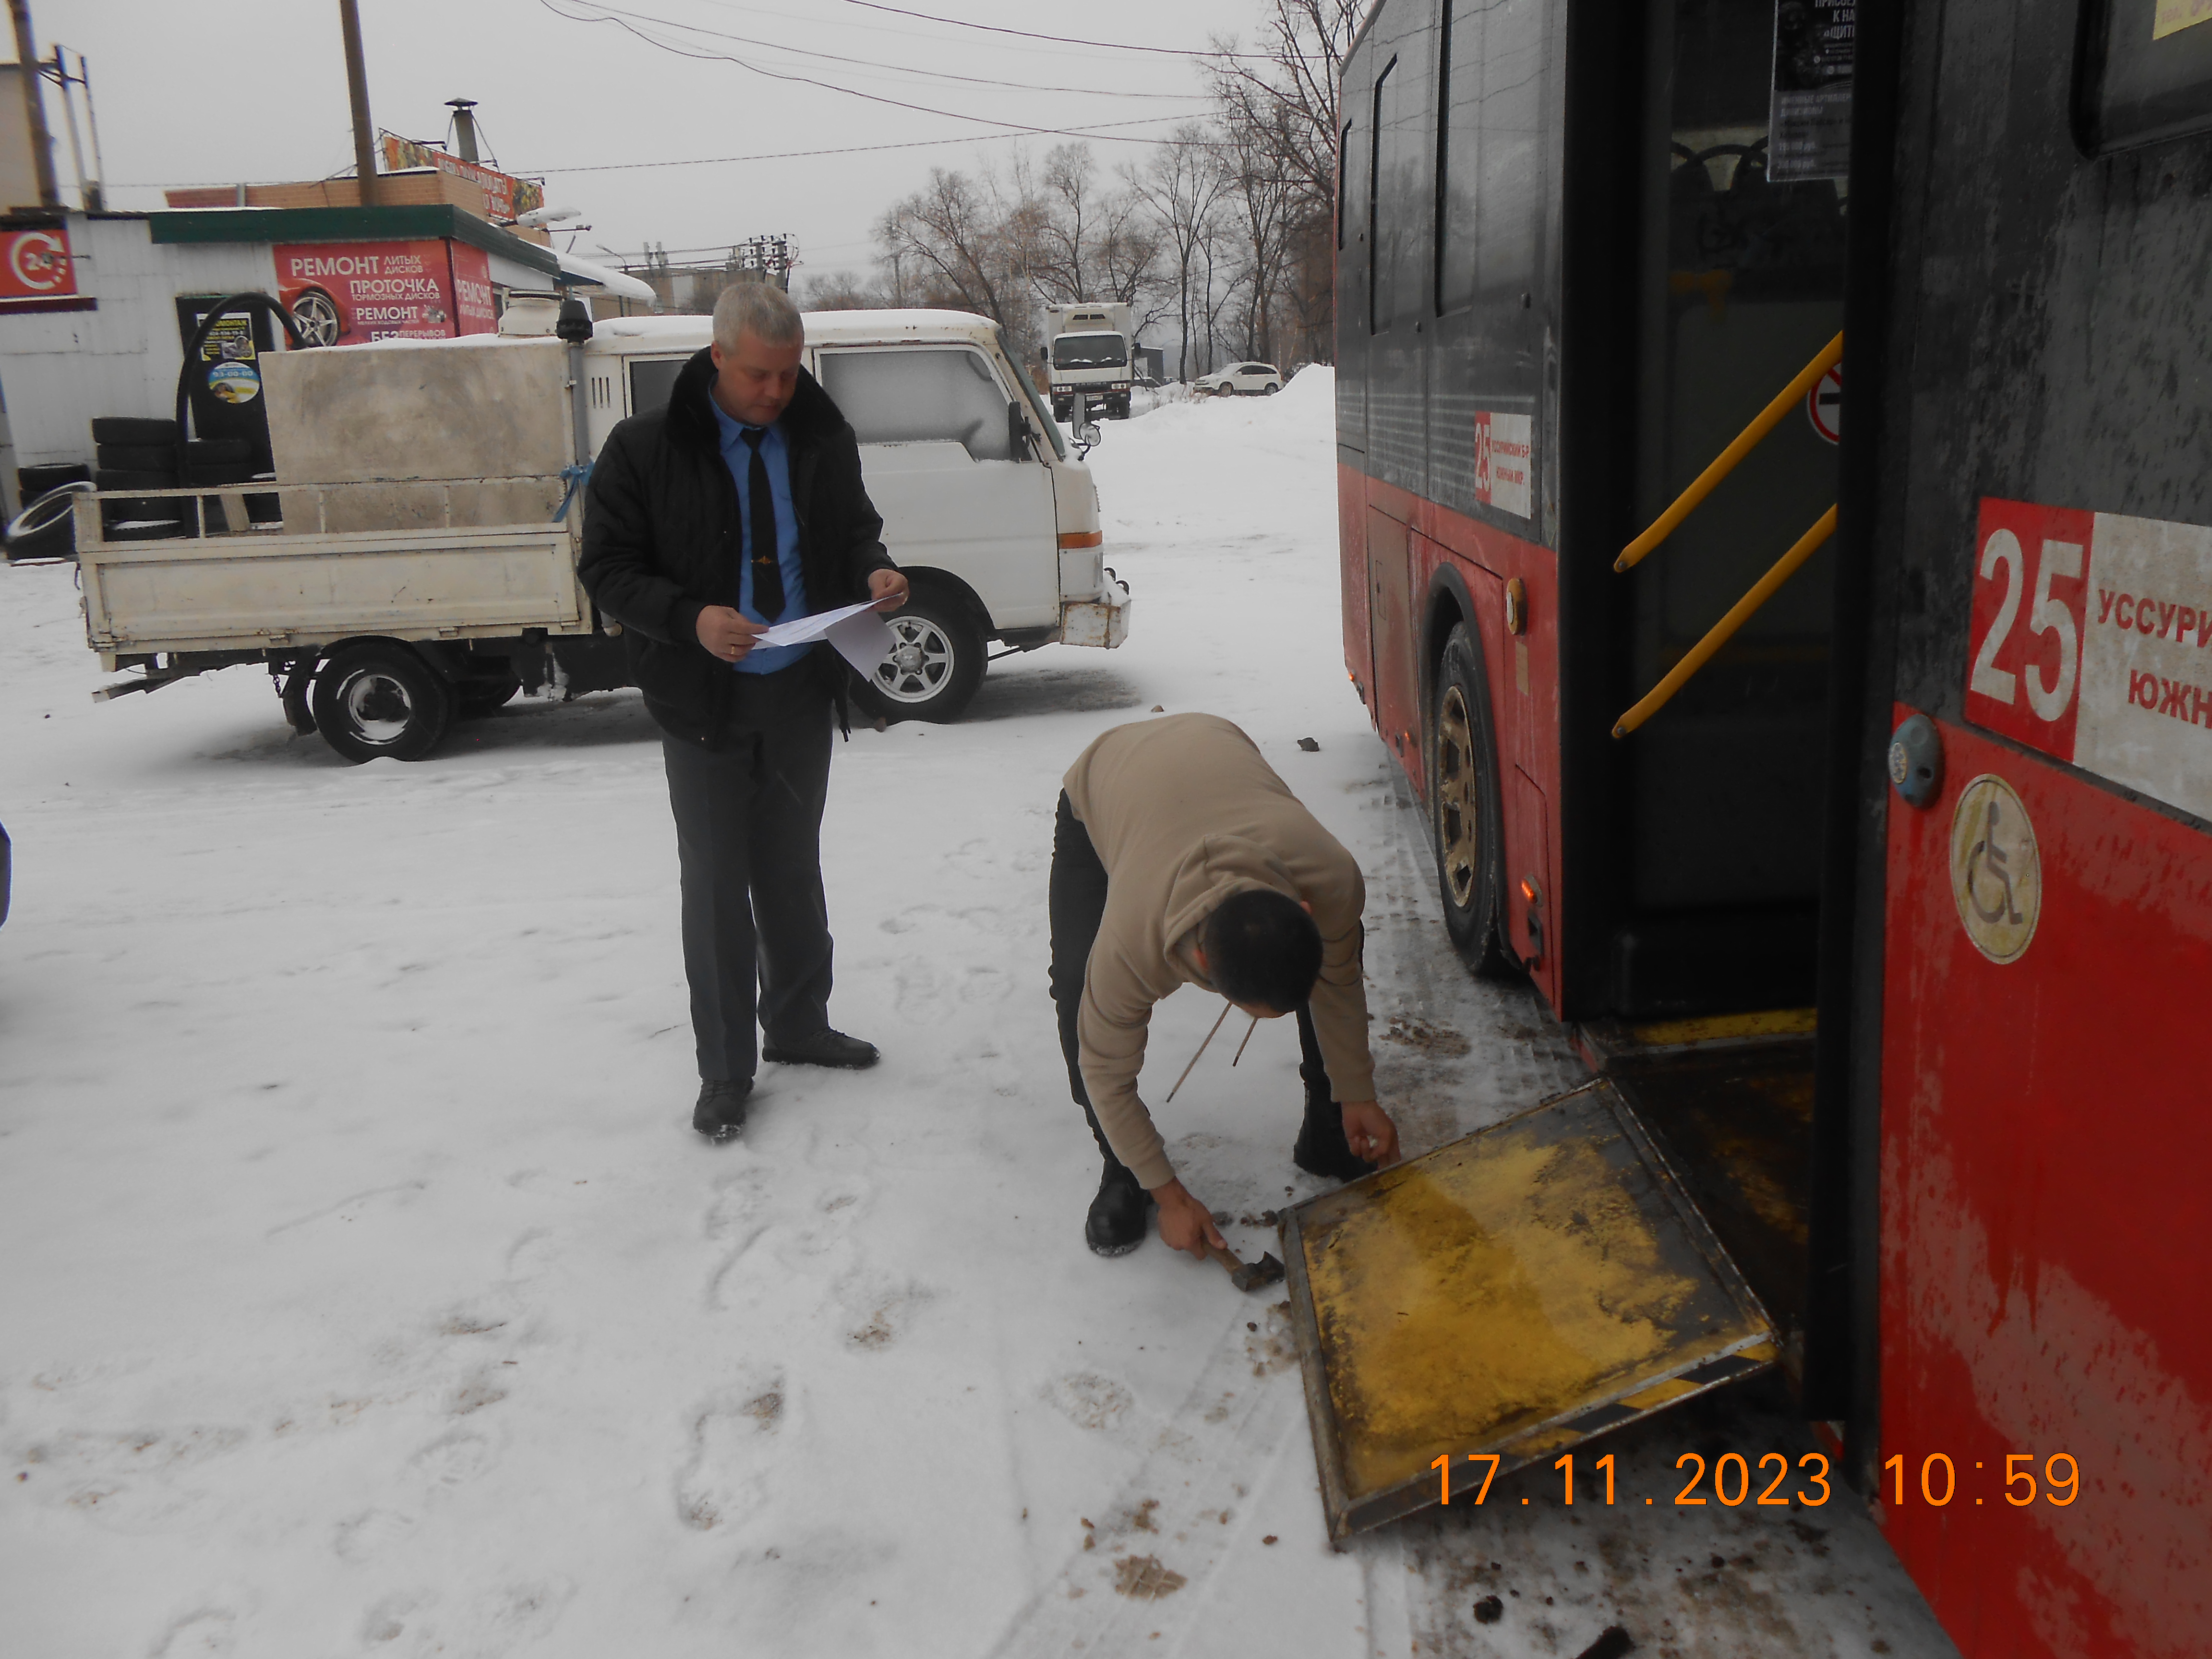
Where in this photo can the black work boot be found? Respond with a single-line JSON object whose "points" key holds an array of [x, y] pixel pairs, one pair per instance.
{"points": [[823, 1048], [1115, 1226], [720, 1113], [1323, 1150]]}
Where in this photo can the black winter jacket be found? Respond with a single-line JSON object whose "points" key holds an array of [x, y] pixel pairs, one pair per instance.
{"points": [[661, 541]]}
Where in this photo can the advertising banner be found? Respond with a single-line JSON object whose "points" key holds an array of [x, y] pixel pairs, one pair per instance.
{"points": [[473, 309], [506, 197], [2091, 640], [35, 265], [343, 293]]}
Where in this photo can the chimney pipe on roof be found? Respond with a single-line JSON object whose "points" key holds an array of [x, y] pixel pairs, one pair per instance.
{"points": [[464, 128]]}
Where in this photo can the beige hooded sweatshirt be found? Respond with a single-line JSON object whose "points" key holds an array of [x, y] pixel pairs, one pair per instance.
{"points": [[1183, 813]]}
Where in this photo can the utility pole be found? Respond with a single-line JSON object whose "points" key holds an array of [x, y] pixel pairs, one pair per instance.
{"points": [[364, 134], [42, 145]]}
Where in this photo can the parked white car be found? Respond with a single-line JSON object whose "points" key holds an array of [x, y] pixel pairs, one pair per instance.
{"points": [[1239, 377]]}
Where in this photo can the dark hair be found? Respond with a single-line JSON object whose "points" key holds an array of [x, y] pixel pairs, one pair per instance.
{"points": [[1263, 949]]}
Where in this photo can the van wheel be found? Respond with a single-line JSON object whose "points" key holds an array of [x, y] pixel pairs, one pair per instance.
{"points": [[1465, 811], [484, 695], [381, 699], [936, 660]]}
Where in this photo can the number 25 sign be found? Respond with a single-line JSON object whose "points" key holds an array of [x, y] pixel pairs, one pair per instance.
{"points": [[2091, 640]]}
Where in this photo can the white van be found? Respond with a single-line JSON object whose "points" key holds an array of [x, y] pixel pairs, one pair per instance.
{"points": [[994, 523]]}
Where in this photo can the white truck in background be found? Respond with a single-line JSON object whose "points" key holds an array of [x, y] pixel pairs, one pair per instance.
{"points": [[1089, 349], [425, 565]]}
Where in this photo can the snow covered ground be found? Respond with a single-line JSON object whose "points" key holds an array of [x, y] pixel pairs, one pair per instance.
{"points": [[366, 1290]]}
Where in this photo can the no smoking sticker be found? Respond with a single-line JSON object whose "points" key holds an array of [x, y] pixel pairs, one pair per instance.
{"points": [[1997, 875]]}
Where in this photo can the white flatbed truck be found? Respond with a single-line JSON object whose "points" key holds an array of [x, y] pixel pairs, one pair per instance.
{"points": [[425, 565]]}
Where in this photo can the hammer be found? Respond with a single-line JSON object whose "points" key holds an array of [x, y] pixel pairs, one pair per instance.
{"points": [[1247, 1275]]}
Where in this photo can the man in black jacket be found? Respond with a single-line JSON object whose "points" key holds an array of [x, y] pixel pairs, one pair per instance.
{"points": [[738, 506]]}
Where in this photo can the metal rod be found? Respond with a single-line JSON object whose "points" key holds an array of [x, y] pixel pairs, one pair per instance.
{"points": [[1225, 1007], [1240, 1047], [96, 202], [1722, 631], [42, 144], [364, 134], [1725, 462], [68, 116]]}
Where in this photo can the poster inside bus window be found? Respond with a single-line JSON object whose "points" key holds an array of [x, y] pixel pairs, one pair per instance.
{"points": [[1810, 128], [2146, 72]]}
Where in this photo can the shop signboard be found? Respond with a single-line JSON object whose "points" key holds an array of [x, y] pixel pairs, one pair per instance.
{"points": [[36, 269], [343, 293], [506, 197]]}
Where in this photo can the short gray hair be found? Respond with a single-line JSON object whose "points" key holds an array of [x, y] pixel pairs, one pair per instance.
{"points": [[760, 309]]}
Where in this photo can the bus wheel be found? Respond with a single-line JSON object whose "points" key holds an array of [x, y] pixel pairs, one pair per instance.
{"points": [[1464, 798]]}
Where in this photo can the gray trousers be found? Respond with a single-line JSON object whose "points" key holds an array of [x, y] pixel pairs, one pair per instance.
{"points": [[748, 839]]}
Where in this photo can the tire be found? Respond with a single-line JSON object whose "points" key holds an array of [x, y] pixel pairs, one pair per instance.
{"points": [[35, 481], [476, 697], [936, 661], [1271, 389], [133, 429], [1466, 815], [381, 699], [108, 479], [138, 458], [142, 529]]}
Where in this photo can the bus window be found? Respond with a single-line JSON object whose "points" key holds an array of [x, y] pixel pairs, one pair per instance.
{"points": [[2146, 72], [1493, 200], [1400, 150]]}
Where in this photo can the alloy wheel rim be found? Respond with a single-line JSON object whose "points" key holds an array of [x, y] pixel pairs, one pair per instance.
{"points": [[921, 660]]}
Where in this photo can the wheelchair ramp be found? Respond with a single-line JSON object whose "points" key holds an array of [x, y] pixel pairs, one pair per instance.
{"points": [[1513, 1293]]}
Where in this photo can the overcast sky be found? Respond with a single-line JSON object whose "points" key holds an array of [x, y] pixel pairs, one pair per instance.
{"points": [[216, 91]]}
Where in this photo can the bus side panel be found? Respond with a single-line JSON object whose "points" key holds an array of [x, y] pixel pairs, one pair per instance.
{"points": [[1352, 561], [2044, 1139]]}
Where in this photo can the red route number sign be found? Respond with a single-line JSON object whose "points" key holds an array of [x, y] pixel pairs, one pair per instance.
{"points": [[2091, 640]]}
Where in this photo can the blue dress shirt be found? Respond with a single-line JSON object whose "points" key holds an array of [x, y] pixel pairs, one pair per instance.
{"points": [[737, 456]]}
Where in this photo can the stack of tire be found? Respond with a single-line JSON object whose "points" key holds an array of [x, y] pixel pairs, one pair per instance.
{"points": [[55, 535], [136, 452]]}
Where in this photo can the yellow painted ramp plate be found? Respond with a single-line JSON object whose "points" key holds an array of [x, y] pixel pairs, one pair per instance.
{"points": [[1514, 1292]]}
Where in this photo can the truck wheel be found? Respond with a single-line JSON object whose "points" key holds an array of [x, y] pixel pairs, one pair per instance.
{"points": [[476, 697], [1466, 811], [936, 660], [381, 699]]}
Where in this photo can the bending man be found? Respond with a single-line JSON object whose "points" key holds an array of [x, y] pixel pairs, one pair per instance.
{"points": [[1179, 858]]}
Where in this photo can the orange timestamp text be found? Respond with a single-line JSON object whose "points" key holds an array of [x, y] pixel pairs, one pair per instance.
{"points": [[1733, 1479], [1939, 1480]]}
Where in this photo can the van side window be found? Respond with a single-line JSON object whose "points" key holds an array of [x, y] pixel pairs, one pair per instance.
{"points": [[651, 380], [917, 394]]}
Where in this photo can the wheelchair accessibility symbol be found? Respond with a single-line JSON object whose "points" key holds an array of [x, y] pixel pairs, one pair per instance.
{"points": [[1997, 875]]}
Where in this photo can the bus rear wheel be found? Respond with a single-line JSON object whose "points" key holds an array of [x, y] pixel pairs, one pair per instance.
{"points": [[1464, 802]]}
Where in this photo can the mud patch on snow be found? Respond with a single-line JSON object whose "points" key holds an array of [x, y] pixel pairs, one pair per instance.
{"points": [[1142, 1578], [1088, 1400], [1438, 1042]]}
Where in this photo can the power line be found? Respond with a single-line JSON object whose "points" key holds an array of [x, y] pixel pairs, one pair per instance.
{"points": [[873, 63], [628, 27], [1063, 40]]}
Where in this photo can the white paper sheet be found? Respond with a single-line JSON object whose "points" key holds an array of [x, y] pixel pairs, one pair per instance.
{"points": [[858, 632]]}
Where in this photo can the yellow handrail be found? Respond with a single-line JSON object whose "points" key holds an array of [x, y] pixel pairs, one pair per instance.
{"points": [[1724, 463], [1722, 630]]}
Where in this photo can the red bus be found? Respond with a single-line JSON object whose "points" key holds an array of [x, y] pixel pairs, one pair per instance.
{"points": [[1908, 877]]}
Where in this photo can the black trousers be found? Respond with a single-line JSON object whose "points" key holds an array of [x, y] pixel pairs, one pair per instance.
{"points": [[1077, 901], [749, 840]]}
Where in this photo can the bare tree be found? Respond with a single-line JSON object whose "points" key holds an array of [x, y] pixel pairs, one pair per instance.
{"points": [[969, 244], [1284, 106], [1180, 189]]}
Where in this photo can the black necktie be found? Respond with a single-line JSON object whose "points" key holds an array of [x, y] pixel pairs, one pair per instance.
{"points": [[768, 562]]}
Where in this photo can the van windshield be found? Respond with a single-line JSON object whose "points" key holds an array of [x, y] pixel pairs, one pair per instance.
{"points": [[1089, 351]]}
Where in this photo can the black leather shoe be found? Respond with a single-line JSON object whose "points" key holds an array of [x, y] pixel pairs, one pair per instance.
{"points": [[823, 1048], [1115, 1226], [1323, 1150], [720, 1113]]}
